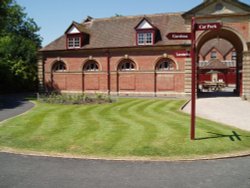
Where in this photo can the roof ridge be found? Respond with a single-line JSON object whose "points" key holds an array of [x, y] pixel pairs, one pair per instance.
{"points": [[136, 16]]}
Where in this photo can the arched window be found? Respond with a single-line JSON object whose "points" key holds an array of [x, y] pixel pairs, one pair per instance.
{"points": [[91, 66], [126, 65], [59, 67], [166, 65]]}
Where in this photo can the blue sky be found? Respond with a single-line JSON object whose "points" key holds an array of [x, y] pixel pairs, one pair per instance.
{"points": [[55, 16]]}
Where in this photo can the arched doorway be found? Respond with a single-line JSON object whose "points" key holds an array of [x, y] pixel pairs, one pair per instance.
{"points": [[164, 75], [217, 67], [90, 76], [126, 78], [58, 77]]}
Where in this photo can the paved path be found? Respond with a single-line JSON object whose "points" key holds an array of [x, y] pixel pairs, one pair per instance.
{"points": [[21, 171], [228, 110], [13, 105]]}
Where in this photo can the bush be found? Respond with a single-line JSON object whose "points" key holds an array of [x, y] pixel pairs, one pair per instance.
{"points": [[57, 98]]}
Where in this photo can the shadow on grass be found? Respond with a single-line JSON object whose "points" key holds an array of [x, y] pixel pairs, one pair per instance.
{"points": [[233, 137], [11, 101]]}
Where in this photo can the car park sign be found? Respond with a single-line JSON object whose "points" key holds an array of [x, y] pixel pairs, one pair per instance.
{"points": [[208, 26]]}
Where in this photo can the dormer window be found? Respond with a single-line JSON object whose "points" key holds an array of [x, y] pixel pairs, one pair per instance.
{"points": [[77, 36], [74, 42], [145, 33], [145, 38], [213, 55]]}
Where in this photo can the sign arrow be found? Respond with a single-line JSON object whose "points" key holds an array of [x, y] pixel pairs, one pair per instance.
{"points": [[179, 36], [182, 54]]}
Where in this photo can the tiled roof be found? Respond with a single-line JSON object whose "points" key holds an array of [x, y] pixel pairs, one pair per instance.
{"points": [[120, 31], [223, 46]]}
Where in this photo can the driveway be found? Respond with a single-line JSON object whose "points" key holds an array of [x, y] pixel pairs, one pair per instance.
{"points": [[229, 110], [22, 171], [13, 105]]}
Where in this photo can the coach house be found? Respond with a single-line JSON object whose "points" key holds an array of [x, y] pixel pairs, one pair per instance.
{"points": [[132, 55]]}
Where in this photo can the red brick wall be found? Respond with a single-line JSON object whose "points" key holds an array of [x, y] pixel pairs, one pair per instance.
{"points": [[218, 55], [144, 79]]}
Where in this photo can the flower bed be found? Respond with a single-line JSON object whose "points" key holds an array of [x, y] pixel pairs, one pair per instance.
{"points": [[57, 98]]}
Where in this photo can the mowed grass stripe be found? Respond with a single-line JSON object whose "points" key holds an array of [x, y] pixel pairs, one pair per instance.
{"points": [[116, 127], [86, 126], [162, 120], [97, 142], [149, 128], [155, 127], [136, 132], [23, 127], [67, 129]]}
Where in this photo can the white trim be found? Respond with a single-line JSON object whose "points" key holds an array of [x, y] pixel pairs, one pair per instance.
{"points": [[145, 25], [73, 30]]}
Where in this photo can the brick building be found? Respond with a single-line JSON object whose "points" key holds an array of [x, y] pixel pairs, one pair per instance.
{"points": [[131, 55], [217, 62]]}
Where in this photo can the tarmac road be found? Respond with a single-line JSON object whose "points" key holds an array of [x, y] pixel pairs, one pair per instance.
{"points": [[13, 105], [22, 171]]}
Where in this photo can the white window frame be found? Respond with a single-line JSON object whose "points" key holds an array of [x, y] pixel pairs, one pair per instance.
{"points": [[91, 67], [145, 38], [127, 66], [59, 67], [74, 42], [166, 66]]}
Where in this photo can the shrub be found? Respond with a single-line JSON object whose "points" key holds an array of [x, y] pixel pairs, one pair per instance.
{"points": [[57, 98]]}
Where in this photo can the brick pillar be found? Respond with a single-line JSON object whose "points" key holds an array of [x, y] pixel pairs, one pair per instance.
{"points": [[40, 66], [246, 76], [188, 76]]}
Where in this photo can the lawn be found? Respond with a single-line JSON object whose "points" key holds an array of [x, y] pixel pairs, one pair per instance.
{"points": [[153, 128]]}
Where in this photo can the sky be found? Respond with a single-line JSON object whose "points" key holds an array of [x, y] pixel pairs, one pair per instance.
{"points": [[55, 16]]}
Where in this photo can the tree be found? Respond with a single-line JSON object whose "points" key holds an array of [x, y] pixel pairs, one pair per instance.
{"points": [[19, 43]]}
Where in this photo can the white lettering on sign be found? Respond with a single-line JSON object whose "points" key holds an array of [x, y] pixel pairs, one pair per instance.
{"points": [[182, 54], [180, 36], [209, 26]]}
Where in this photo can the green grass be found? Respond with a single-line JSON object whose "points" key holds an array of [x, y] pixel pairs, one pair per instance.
{"points": [[127, 128]]}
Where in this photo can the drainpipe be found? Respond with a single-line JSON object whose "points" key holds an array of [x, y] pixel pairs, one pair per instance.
{"points": [[108, 71]]}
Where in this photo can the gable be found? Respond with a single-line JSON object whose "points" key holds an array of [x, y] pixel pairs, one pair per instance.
{"points": [[73, 30], [213, 49], [144, 25], [221, 8], [222, 45], [218, 7]]}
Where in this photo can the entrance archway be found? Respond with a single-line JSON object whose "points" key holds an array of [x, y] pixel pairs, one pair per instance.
{"points": [[238, 44]]}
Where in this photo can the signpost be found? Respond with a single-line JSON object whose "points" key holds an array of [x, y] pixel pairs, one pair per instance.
{"points": [[180, 54], [193, 93]]}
